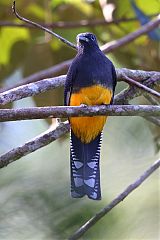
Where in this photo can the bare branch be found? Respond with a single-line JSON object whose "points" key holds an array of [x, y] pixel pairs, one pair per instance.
{"points": [[154, 120], [151, 99], [129, 93], [47, 84], [138, 75], [142, 87], [90, 223], [51, 135], [63, 112], [121, 98], [33, 145], [49, 72], [75, 24], [42, 27], [36, 143], [109, 47], [31, 89]]}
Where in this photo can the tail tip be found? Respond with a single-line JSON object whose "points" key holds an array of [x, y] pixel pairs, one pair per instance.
{"points": [[93, 196], [74, 194]]}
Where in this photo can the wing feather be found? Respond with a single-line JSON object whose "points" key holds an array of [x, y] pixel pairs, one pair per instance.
{"points": [[71, 75]]}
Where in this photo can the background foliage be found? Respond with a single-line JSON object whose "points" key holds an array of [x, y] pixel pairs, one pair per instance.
{"points": [[34, 192]]}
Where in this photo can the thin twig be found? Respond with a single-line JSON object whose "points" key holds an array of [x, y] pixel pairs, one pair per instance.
{"points": [[34, 144], [121, 98], [47, 84], [154, 120], [75, 24], [138, 75], [109, 47], [142, 87], [42, 27], [46, 73], [63, 112], [151, 99], [129, 93], [116, 201], [31, 89]]}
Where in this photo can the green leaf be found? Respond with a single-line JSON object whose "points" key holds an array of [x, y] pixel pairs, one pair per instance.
{"points": [[36, 10], [150, 7], [8, 37]]}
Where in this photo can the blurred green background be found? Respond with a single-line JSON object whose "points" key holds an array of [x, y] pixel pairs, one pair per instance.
{"points": [[34, 192]]}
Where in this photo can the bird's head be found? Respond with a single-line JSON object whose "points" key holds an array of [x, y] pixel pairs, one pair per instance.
{"points": [[86, 40]]}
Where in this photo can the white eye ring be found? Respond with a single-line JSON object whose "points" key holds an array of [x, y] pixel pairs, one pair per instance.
{"points": [[93, 38]]}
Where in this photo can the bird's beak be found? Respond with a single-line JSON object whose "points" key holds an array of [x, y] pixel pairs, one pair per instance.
{"points": [[83, 38]]}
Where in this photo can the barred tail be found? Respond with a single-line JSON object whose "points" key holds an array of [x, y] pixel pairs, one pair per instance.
{"points": [[85, 172]]}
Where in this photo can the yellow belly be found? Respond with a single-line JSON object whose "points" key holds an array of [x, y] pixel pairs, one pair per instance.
{"points": [[88, 128]]}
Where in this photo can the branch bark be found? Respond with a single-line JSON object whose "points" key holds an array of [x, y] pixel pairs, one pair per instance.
{"points": [[90, 223], [51, 83], [42, 27], [42, 141], [31, 89], [142, 87], [153, 120], [75, 24], [34, 144], [64, 112], [151, 99], [52, 135], [129, 93], [109, 47]]}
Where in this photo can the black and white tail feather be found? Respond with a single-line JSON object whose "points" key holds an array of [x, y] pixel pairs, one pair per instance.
{"points": [[85, 171]]}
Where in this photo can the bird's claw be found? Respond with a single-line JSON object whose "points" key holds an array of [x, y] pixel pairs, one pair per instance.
{"points": [[83, 105]]}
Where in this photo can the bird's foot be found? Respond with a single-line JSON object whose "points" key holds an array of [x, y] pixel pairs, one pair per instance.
{"points": [[83, 105]]}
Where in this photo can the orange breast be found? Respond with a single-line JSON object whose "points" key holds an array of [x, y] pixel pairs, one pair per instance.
{"points": [[87, 128]]}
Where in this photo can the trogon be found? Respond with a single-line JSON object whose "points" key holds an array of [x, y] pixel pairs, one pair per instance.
{"points": [[91, 80]]}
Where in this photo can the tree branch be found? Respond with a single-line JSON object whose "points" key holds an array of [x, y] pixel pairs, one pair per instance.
{"points": [[34, 144], [151, 99], [41, 27], [109, 47], [31, 89], [49, 72], [48, 84], [142, 87], [153, 120], [63, 112], [80, 232], [138, 75], [51, 135], [129, 93], [38, 142], [75, 24]]}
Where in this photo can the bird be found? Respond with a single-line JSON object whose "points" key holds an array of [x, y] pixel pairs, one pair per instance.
{"points": [[90, 80]]}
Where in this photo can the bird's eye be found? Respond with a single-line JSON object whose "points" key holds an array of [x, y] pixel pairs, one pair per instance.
{"points": [[93, 38]]}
